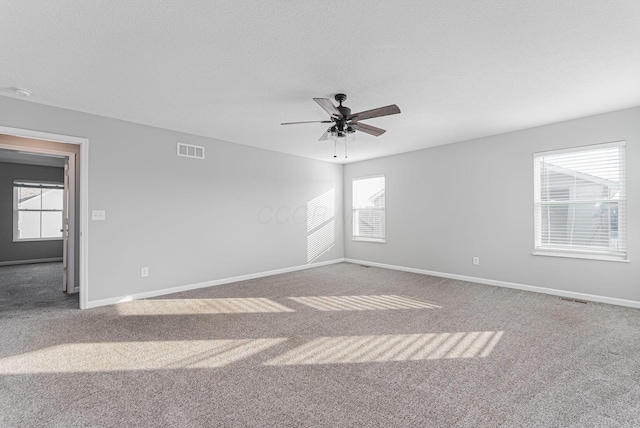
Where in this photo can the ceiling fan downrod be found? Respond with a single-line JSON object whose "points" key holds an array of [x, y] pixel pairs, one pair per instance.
{"points": [[341, 122]]}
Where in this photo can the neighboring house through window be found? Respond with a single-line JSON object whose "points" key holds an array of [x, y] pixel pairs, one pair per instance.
{"points": [[37, 211], [369, 209], [580, 202]]}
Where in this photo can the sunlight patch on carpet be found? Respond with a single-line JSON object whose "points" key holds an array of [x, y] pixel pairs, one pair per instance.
{"points": [[125, 356], [200, 306], [362, 303], [383, 348]]}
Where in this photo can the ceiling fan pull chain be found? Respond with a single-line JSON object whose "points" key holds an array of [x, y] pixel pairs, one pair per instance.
{"points": [[335, 149], [345, 149]]}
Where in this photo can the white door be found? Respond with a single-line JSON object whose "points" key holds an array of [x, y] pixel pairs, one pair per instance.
{"points": [[65, 226], [68, 227]]}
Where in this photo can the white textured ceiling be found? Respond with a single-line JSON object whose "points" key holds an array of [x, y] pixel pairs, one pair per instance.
{"points": [[234, 70]]}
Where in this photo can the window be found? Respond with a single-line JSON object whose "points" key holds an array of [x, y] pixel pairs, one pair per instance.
{"points": [[37, 211], [580, 202], [368, 209]]}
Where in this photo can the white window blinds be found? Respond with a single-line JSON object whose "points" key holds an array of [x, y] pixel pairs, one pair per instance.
{"points": [[580, 202], [368, 209]]}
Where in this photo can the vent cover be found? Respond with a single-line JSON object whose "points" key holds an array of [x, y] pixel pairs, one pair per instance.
{"points": [[189, 151], [571, 299]]}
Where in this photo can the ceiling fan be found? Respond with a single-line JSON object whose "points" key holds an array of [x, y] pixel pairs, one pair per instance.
{"points": [[345, 124]]}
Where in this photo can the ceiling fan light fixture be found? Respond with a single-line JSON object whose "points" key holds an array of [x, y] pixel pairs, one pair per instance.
{"points": [[350, 134], [333, 133]]}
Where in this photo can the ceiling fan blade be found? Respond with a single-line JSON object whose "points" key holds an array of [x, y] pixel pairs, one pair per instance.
{"points": [[325, 136], [310, 121], [367, 129], [376, 112], [328, 106]]}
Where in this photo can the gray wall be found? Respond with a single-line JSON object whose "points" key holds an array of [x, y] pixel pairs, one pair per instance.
{"points": [[447, 204], [14, 251], [188, 220]]}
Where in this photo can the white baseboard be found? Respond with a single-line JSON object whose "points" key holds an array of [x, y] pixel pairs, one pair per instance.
{"points": [[31, 261], [535, 289], [155, 293]]}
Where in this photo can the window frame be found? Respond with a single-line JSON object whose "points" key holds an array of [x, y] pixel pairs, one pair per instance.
{"points": [[17, 184], [579, 253], [379, 240]]}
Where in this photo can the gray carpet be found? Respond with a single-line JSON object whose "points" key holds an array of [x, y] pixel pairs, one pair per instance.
{"points": [[394, 349], [27, 290]]}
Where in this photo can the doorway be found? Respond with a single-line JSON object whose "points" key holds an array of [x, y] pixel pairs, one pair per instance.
{"points": [[36, 213]]}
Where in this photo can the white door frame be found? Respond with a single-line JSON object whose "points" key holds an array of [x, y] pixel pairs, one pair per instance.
{"points": [[84, 192]]}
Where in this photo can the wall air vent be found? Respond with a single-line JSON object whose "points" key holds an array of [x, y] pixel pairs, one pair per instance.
{"points": [[189, 151]]}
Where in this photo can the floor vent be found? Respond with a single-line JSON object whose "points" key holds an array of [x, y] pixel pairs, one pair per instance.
{"points": [[569, 299], [364, 266], [189, 151]]}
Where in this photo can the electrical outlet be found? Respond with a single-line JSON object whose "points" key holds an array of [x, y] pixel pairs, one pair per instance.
{"points": [[98, 215], [476, 261], [144, 271]]}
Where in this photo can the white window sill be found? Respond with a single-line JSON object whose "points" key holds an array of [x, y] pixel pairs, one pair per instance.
{"points": [[599, 257], [378, 240], [37, 239]]}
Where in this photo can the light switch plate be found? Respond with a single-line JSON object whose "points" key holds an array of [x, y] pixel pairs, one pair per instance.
{"points": [[98, 215]]}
